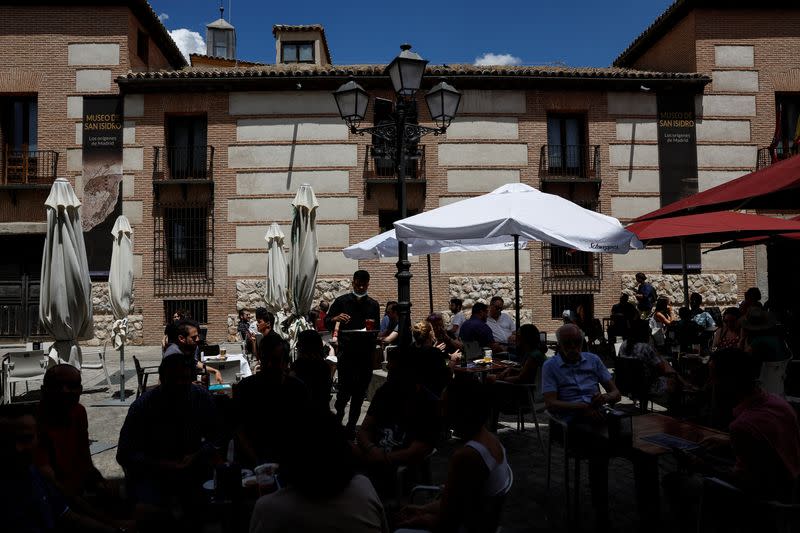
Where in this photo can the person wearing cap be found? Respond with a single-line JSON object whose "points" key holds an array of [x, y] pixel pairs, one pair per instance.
{"points": [[760, 335], [645, 295]]}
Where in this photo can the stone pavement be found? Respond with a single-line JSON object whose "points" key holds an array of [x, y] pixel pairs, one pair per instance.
{"points": [[526, 507]]}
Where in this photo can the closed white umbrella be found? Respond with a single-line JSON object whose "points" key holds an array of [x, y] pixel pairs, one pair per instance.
{"points": [[304, 261], [120, 289], [522, 212], [65, 299], [277, 287]]}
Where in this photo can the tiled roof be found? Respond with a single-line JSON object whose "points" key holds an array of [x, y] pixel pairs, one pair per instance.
{"points": [[304, 70], [305, 27], [205, 61], [141, 8], [675, 13]]}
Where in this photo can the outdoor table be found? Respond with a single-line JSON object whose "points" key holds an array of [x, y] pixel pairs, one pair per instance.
{"points": [[645, 455], [234, 363], [480, 371]]}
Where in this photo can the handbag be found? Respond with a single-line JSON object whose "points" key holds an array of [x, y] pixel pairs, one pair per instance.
{"points": [[657, 331]]}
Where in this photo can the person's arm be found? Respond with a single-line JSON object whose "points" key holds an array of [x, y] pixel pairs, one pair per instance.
{"points": [[611, 396], [391, 337], [413, 454], [526, 374]]}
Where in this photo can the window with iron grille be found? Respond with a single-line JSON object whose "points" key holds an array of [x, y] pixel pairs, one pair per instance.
{"points": [[184, 248], [196, 310], [563, 302]]}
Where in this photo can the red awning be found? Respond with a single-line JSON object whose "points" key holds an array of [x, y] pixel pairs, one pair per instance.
{"points": [[760, 239], [710, 227], [776, 187]]}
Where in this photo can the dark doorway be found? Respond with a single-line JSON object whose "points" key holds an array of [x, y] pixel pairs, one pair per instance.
{"points": [[20, 272]]}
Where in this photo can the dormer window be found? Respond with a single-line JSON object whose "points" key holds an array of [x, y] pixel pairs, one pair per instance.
{"points": [[297, 52]]}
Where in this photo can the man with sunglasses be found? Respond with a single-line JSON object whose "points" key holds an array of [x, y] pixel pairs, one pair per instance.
{"points": [[188, 343]]}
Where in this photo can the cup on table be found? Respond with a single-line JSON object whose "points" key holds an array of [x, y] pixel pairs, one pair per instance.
{"points": [[223, 352], [369, 324], [487, 355]]}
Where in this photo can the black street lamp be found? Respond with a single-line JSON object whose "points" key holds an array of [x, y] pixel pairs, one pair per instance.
{"points": [[406, 72]]}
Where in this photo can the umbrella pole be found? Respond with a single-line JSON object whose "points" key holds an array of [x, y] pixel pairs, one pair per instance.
{"points": [[685, 274], [122, 372], [430, 285], [516, 278]]}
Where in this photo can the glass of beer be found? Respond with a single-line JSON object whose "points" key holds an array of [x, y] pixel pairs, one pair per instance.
{"points": [[369, 324], [223, 352]]}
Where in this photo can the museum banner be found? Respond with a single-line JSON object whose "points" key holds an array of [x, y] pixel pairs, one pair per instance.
{"points": [[677, 163], [102, 177]]}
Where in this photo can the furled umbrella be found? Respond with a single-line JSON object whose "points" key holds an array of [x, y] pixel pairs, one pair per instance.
{"points": [[65, 299], [120, 290], [276, 291], [303, 263]]}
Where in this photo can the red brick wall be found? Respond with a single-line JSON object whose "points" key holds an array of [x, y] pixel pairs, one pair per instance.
{"points": [[674, 52]]}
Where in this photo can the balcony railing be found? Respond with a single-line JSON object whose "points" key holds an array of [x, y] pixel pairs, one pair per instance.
{"points": [[768, 156], [29, 167], [183, 163], [379, 167], [569, 162]]}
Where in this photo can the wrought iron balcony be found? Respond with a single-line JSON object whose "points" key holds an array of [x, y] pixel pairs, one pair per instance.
{"points": [[379, 166], [183, 163], [768, 156], [29, 168], [569, 163]]}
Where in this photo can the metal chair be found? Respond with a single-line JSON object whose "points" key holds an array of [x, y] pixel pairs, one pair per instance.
{"points": [[490, 513], [24, 366], [142, 373], [524, 398], [421, 472], [742, 512], [101, 354]]}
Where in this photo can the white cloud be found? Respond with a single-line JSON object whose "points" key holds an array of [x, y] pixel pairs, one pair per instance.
{"points": [[163, 17], [188, 41], [489, 59]]}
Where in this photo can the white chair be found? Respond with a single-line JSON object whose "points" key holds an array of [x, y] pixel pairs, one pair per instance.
{"points": [[773, 376], [101, 363], [23, 367]]}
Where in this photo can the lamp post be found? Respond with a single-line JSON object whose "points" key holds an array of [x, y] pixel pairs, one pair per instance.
{"points": [[406, 72]]}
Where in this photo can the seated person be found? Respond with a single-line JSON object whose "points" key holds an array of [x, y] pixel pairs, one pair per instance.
{"points": [[402, 423], [62, 453], [426, 349], [322, 491], [389, 320], [622, 314], [188, 344], [663, 380], [700, 316], [169, 438], [444, 339], [312, 370], [764, 439], [458, 317], [729, 333], [171, 329], [761, 336], [476, 330], [265, 401], [531, 350], [570, 382], [29, 502], [501, 324], [478, 472]]}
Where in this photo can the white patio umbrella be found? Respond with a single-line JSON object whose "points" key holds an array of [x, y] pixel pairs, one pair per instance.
{"points": [[303, 261], [522, 212], [385, 245], [277, 286], [65, 299], [120, 290]]}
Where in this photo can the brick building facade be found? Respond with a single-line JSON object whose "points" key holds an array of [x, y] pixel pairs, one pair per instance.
{"points": [[255, 132]]}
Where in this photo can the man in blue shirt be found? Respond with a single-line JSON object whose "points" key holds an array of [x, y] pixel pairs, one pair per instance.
{"points": [[645, 295], [570, 388], [476, 328]]}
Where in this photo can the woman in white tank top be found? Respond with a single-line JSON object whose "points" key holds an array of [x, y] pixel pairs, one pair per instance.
{"points": [[478, 476]]}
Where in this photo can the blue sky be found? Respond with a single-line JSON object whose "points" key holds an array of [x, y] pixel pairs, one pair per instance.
{"points": [[531, 32]]}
